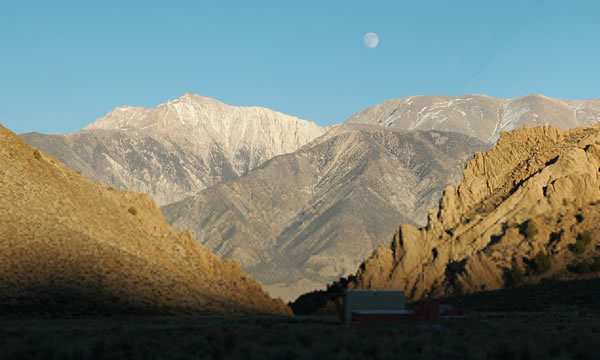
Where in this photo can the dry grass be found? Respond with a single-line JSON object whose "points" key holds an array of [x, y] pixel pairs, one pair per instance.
{"points": [[61, 231], [490, 336]]}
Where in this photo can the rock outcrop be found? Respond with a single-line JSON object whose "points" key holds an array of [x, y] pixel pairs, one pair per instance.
{"points": [[480, 116], [178, 148], [65, 240], [304, 219], [527, 209]]}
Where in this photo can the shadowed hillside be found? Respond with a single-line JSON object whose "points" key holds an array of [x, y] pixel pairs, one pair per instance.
{"points": [[68, 244]]}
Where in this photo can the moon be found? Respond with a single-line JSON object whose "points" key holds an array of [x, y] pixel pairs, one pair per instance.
{"points": [[371, 40]]}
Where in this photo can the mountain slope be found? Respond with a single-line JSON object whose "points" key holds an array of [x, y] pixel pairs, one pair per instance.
{"points": [[63, 238], [178, 148], [246, 136], [480, 116], [527, 209], [155, 165], [306, 218]]}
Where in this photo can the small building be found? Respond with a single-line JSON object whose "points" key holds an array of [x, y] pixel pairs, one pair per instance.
{"points": [[428, 310], [367, 306]]}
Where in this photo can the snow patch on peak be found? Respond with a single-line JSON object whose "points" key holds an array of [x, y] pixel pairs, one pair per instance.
{"points": [[509, 116]]}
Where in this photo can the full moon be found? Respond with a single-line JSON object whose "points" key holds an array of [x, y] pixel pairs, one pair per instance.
{"points": [[371, 40]]}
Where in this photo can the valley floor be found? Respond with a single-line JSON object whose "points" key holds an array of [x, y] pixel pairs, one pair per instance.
{"points": [[489, 335]]}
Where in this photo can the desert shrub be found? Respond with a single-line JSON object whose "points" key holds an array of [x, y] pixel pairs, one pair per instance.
{"points": [[595, 265], [458, 288], [132, 210], [542, 263], [530, 229], [582, 267], [585, 267], [37, 154], [515, 275], [583, 240]]}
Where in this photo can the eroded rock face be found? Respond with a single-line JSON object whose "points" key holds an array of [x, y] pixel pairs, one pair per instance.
{"points": [[535, 192], [65, 237], [479, 116], [178, 148], [304, 219]]}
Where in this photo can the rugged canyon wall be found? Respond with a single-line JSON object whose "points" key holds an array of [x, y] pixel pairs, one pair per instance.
{"points": [[527, 209]]}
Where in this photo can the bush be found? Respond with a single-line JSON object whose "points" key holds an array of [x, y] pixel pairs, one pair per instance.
{"points": [[585, 267], [530, 229], [542, 263], [583, 240], [37, 154], [515, 275], [458, 288], [132, 210], [595, 265], [580, 268]]}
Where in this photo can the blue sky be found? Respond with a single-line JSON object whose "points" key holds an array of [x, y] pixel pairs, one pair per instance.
{"points": [[65, 63]]}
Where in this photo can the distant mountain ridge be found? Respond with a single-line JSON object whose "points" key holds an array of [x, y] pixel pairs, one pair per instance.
{"points": [[303, 219], [246, 136], [178, 148], [480, 116]]}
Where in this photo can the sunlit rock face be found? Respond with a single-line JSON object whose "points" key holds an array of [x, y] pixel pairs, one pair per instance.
{"points": [[479, 116], [178, 148], [536, 192]]}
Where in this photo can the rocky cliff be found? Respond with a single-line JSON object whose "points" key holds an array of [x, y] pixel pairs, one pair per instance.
{"points": [[67, 242], [525, 210], [480, 116], [304, 219]]}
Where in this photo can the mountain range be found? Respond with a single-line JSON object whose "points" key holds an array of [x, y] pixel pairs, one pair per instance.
{"points": [[303, 219], [296, 204], [479, 116], [178, 148]]}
